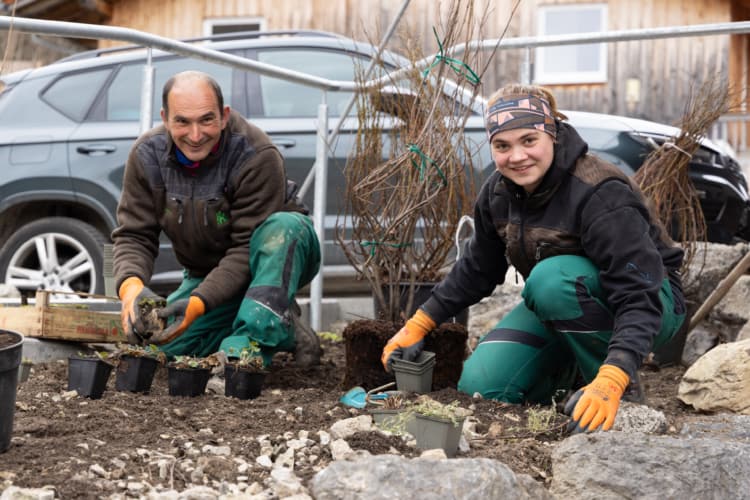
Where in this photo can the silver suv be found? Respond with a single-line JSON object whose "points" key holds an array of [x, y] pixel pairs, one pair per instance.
{"points": [[66, 129]]}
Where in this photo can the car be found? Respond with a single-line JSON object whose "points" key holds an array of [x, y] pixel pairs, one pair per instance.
{"points": [[66, 129]]}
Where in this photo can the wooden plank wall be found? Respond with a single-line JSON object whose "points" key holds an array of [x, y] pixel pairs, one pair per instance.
{"points": [[667, 69]]}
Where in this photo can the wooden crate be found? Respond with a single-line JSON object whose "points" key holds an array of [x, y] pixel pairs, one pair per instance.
{"points": [[68, 321]]}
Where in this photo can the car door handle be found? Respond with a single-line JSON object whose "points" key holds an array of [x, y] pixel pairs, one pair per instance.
{"points": [[284, 143], [96, 149]]}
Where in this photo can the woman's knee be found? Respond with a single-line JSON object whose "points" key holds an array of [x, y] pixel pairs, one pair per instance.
{"points": [[554, 277]]}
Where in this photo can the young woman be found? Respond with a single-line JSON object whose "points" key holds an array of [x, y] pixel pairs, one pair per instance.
{"points": [[602, 286]]}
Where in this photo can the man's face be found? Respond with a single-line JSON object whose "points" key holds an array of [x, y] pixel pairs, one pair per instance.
{"points": [[195, 121]]}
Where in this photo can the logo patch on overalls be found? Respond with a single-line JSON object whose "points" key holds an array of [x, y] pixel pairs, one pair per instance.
{"points": [[221, 218]]}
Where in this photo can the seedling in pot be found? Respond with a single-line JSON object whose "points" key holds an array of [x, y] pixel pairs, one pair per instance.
{"points": [[195, 362], [438, 425], [247, 359], [136, 366], [188, 375], [244, 372]]}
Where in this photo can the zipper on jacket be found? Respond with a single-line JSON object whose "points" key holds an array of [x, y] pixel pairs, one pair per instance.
{"points": [[539, 246], [521, 238]]}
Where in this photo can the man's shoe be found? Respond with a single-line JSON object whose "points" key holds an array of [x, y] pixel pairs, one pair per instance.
{"points": [[307, 350], [634, 392]]}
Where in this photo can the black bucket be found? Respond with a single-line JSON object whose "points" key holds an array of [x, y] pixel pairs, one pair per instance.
{"points": [[11, 346]]}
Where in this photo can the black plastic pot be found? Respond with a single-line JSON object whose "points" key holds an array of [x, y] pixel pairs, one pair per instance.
{"points": [[422, 292], [88, 376], [11, 345], [190, 382], [135, 373], [242, 384]]}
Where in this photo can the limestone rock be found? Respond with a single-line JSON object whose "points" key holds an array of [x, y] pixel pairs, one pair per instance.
{"points": [[385, 477], [719, 380], [614, 465]]}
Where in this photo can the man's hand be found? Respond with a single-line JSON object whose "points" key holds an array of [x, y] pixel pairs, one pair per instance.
{"points": [[596, 404], [132, 292], [408, 342], [185, 311]]}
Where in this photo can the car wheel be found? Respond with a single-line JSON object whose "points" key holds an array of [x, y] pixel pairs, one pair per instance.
{"points": [[57, 253]]}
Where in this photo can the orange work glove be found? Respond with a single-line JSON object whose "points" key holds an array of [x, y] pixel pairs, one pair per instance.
{"points": [[407, 344], [185, 311], [131, 293], [596, 404]]}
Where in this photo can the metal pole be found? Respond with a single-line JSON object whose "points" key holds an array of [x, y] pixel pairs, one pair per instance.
{"points": [[147, 93], [526, 67], [319, 210]]}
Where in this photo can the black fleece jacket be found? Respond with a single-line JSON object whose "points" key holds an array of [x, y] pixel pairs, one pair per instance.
{"points": [[584, 206]]}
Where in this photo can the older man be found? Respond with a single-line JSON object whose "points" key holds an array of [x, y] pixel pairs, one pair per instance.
{"points": [[216, 186]]}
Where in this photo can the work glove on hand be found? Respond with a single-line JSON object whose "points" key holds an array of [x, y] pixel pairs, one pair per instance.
{"points": [[132, 292], [185, 311], [596, 404], [407, 344]]}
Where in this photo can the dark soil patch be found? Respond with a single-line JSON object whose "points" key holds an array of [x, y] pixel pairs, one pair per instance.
{"points": [[58, 437]]}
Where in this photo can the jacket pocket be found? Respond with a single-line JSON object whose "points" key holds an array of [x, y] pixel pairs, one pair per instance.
{"points": [[546, 249], [214, 222]]}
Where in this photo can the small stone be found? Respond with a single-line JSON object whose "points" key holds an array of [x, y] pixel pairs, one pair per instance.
{"points": [[98, 470], [434, 454], [264, 461], [136, 487]]}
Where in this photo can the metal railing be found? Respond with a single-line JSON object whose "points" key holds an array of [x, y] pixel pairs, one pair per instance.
{"points": [[150, 41]]}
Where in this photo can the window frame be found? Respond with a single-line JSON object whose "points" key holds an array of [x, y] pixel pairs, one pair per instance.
{"points": [[210, 22], [545, 77]]}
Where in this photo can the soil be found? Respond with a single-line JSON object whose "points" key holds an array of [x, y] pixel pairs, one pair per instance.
{"points": [[58, 436]]}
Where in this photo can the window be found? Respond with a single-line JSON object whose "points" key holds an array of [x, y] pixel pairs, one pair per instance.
{"points": [[222, 25], [122, 100], [282, 98], [572, 63], [73, 94]]}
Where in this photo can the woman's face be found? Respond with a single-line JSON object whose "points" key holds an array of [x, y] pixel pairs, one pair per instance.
{"points": [[523, 155]]}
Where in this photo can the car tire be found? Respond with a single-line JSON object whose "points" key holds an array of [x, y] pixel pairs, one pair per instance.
{"points": [[74, 265]]}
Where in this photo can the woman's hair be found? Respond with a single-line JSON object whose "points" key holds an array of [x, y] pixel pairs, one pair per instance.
{"points": [[515, 89]]}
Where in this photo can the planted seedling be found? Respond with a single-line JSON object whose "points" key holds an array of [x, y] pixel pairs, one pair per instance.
{"points": [[247, 359], [137, 351], [430, 408], [193, 362]]}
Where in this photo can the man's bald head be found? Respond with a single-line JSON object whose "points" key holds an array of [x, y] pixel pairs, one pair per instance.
{"points": [[185, 78]]}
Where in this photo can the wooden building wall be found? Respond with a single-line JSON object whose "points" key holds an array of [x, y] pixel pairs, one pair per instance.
{"points": [[667, 69]]}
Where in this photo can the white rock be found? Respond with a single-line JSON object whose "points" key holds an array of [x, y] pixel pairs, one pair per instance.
{"points": [[264, 461], [435, 454], [285, 483], [285, 459], [324, 438], [303, 434], [297, 444], [350, 426], [16, 493], [136, 487], [217, 450], [98, 470]]}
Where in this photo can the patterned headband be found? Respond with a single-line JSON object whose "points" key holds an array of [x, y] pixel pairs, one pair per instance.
{"points": [[520, 111]]}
